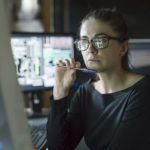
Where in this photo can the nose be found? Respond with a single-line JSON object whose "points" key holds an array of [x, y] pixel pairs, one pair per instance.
{"points": [[91, 48]]}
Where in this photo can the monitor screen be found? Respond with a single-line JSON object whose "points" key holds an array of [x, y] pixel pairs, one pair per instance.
{"points": [[139, 55], [36, 54]]}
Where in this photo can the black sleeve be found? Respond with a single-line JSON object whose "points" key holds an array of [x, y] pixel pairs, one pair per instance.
{"points": [[133, 132], [64, 127]]}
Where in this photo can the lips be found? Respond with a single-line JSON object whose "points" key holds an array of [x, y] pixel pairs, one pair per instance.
{"points": [[93, 58]]}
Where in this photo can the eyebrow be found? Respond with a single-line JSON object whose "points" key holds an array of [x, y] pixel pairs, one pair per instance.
{"points": [[83, 37], [101, 34], [98, 34]]}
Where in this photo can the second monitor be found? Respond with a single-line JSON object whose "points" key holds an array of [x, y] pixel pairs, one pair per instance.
{"points": [[36, 54]]}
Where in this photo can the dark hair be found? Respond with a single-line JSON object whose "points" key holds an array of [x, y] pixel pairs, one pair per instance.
{"points": [[116, 20]]}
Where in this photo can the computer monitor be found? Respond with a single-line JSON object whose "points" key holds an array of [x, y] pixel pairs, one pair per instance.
{"points": [[36, 54], [14, 133], [139, 55]]}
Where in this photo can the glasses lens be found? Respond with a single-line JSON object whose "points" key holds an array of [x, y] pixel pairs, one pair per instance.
{"points": [[82, 44], [101, 42]]}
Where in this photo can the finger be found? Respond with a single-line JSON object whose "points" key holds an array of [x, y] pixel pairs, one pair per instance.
{"points": [[78, 64], [67, 62], [61, 63], [72, 62]]}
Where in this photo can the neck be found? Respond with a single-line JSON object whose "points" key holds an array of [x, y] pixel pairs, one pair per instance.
{"points": [[112, 81]]}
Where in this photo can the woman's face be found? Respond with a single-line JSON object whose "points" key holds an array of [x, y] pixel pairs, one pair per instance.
{"points": [[103, 59]]}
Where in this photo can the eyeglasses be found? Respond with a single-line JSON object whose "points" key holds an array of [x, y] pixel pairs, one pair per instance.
{"points": [[98, 42]]}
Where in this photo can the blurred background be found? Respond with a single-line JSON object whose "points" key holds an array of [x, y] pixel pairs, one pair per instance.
{"points": [[65, 15]]}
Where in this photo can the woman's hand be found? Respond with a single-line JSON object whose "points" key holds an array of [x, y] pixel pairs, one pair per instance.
{"points": [[64, 77]]}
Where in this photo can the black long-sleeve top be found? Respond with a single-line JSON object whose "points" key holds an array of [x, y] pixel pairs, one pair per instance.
{"points": [[115, 121]]}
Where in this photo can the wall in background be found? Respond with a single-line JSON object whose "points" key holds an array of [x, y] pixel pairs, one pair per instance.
{"points": [[137, 13]]}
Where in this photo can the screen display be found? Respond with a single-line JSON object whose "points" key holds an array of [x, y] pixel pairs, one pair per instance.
{"points": [[36, 54]]}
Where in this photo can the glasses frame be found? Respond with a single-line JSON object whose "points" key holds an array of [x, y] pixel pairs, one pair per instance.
{"points": [[92, 41]]}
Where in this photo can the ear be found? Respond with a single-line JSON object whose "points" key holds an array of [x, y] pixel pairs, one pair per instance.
{"points": [[124, 48]]}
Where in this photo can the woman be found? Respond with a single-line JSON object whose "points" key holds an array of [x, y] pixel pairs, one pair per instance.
{"points": [[112, 112]]}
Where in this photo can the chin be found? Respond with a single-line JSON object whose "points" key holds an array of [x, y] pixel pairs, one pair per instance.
{"points": [[95, 68]]}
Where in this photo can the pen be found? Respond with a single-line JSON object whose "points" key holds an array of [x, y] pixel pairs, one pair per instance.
{"points": [[76, 68]]}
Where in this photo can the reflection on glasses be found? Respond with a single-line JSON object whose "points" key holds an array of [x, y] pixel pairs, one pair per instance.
{"points": [[98, 42]]}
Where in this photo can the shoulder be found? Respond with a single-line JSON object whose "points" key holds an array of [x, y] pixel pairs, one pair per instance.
{"points": [[140, 92], [144, 83], [138, 80], [141, 86]]}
